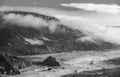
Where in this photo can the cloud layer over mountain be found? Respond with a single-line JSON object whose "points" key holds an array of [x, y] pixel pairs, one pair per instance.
{"points": [[30, 21], [93, 31], [104, 8]]}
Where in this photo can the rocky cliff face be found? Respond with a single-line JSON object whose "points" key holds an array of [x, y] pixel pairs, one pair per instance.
{"points": [[22, 40]]}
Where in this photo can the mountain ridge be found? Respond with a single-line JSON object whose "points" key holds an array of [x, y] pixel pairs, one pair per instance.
{"points": [[62, 39]]}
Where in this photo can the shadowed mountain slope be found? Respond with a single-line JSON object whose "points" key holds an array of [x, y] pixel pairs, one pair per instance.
{"points": [[27, 40]]}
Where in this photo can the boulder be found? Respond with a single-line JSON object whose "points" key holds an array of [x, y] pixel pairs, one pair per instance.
{"points": [[50, 61], [11, 64], [6, 67], [19, 63]]}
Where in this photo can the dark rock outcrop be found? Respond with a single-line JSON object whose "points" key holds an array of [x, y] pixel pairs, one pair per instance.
{"points": [[6, 66], [19, 63], [11, 64], [50, 61]]}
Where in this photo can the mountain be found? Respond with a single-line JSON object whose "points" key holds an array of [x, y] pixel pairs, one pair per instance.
{"points": [[27, 40]]}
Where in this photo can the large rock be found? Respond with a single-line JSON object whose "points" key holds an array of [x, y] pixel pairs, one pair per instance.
{"points": [[6, 67], [50, 61], [19, 63], [11, 64]]}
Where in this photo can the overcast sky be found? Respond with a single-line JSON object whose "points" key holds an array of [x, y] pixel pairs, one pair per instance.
{"points": [[96, 17], [53, 3], [79, 7], [103, 11]]}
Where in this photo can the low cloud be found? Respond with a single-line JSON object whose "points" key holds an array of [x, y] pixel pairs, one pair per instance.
{"points": [[104, 8], [30, 21], [93, 31]]}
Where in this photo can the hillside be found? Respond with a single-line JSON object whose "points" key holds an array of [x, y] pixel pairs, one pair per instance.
{"points": [[18, 39]]}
